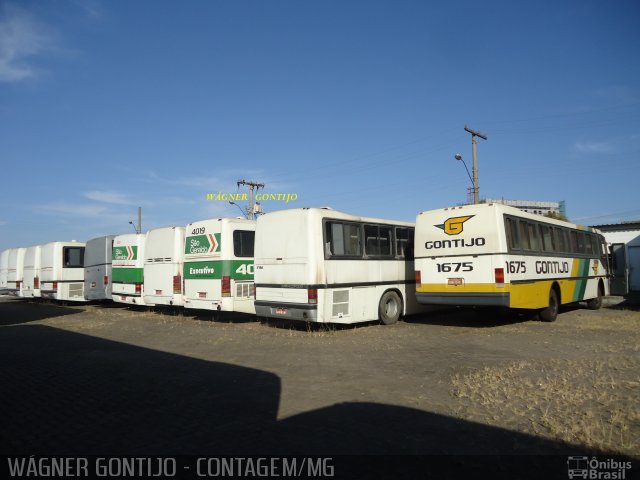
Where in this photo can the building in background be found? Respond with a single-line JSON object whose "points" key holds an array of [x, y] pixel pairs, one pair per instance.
{"points": [[531, 206]]}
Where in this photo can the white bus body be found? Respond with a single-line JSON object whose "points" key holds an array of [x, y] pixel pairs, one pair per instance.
{"points": [[164, 259], [15, 271], [31, 272], [496, 255], [4, 269], [320, 265], [97, 268], [62, 271], [218, 265], [128, 269]]}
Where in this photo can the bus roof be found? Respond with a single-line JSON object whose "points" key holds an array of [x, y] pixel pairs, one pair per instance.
{"points": [[326, 212], [505, 209]]}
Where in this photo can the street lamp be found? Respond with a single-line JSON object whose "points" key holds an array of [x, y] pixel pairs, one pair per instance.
{"points": [[234, 203], [457, 156]]}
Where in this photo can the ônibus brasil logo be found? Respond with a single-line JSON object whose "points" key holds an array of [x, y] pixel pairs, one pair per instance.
{"points": [[202, 244], [454, 225]]}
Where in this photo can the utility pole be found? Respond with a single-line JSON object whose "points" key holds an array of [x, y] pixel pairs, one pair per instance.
{"points": [[252, 186], [138, 228], [476, 188]]}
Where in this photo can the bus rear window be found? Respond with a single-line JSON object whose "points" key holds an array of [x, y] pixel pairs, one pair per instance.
{"points": [[243, 242], [73, 257]]}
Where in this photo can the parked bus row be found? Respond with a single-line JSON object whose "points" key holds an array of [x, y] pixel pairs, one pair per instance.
{"points": [[320, 265]]}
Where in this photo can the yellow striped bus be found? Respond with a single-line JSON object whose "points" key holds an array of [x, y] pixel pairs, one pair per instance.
{"points": [[496, 255]]}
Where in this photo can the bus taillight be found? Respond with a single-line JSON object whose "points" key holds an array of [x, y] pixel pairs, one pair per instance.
{"points": [[226, 286], [106, 279], [138, 288], [418, 278], [36, 282], [55, 285], [177, 284], [312, 295], [499, 276]]}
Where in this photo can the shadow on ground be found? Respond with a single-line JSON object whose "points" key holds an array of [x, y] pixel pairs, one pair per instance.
{"points": [[480, 317], [72, 394], [15, 313]]}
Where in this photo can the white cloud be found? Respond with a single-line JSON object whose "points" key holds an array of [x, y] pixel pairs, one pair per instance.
{"points": [[594, 147], [21, 39], [109, 197], [194, 182]]}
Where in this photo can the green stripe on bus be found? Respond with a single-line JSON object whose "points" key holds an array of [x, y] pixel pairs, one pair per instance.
{"points": [[216, 269], [581, 284], [127, 275]]}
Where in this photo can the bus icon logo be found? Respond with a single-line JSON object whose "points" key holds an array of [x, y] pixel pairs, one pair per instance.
{"points": [[578, 467], [454, 225]]}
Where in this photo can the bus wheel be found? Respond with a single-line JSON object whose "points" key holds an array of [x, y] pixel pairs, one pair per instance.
{"points": [[550, 313], [596, 303], [390, 308]]}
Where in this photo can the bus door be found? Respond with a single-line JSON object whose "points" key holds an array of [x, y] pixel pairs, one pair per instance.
{"points": [[619, 281]]}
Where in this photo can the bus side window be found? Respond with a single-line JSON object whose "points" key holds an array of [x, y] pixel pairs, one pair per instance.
{"points": [[512, 234], [574, 242], [533, 236], [559, 241], [524, 235], [344, 239], [582, 244], [588, 244], [404, 242], [377, 240], [546, 238]]}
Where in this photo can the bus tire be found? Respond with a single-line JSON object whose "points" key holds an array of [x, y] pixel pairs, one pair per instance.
{"points": [[390, 308], [596, 303], [550, 313]]}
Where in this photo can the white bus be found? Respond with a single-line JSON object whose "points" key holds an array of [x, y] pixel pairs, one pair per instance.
{"points": [[320, 265], [31, 272], [4, 269], [218, 265], [496, 255], [62, 271], [164, 259], [128, 268], [97, 268], [15, 271]]}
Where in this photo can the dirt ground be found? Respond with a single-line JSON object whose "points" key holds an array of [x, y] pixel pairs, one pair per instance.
{"points": [[107, 379]]}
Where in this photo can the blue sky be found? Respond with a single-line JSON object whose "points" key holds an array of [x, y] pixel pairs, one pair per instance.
{"points": [[358, 105]]}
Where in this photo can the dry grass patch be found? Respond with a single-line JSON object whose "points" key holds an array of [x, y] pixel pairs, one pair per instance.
{"points": [[588, 402]]}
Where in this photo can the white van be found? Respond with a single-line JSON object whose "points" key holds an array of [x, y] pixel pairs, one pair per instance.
{"points": [[62, 271], [163, 262], [97, 268], [218, 265], [31, 272], [128, 268]]}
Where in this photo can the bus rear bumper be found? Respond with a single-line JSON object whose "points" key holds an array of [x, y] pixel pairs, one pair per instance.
{"points": [[291, 311], [464, 299]]}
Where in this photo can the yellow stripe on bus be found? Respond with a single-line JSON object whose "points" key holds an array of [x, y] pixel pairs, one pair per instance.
{"points": [[521, 295]]}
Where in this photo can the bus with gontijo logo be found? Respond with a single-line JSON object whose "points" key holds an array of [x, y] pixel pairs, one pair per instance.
{"points": [[497, 255]]}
